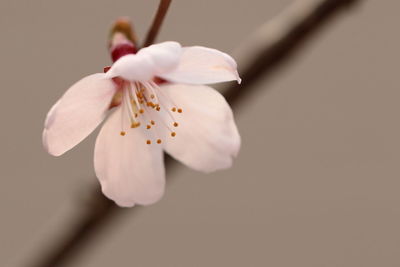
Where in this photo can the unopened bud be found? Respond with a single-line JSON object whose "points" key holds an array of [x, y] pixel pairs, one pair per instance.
{"points": [[122, 40]]}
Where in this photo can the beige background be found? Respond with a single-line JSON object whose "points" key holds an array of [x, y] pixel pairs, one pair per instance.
{"points": [[317, 180]]}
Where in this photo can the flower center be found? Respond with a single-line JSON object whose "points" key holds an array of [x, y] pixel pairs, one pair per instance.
{"points": [[146, 106]]}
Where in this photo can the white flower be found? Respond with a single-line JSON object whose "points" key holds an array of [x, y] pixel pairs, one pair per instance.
{"points": [[190, 121]]}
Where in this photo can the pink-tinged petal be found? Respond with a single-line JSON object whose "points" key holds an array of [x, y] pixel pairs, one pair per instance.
{"points": [[133, 67], [147, 63], [77, 113], [202, 65], [129, 170], [166, 55], [206, 138]]}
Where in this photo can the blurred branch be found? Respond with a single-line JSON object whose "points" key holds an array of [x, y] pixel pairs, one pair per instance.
{"points": [[279, 39], [157, 22], [259, 56]]}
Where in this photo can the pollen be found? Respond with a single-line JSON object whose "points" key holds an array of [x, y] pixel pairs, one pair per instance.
{"points": [[180, 110], [122, 133], [175, 124], [135, 124], [148, 142], [173, 109], [148, 126], [152, 122], [158, 141], [173, 134]]}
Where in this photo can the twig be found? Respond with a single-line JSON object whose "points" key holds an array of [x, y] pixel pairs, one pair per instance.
{"points": [[279, 39], [272, 45], [157, 22]]}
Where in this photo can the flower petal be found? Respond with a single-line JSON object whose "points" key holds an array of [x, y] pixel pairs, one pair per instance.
{"points": [[147, 63], [133, 67], [130, 171], [202, 65], [77, 113], [166, 55], [206, 138]]}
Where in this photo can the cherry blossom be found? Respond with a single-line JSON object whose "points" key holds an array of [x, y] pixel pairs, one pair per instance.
{"points": [[153, 101]]}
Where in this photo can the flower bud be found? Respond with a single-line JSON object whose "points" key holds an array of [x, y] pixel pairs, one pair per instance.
{"points": [[122, 40]]}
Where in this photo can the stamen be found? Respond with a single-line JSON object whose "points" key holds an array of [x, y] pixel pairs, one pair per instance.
{"points": [[128, 101], [173, 109], [135, 124], [179, 110], [122, 133], [148, 142], [152, 89], [152, 122], [133, 90], [141, 111], [158, 89], [148, 126], [158, 141], [173, 134], [175, 124]]}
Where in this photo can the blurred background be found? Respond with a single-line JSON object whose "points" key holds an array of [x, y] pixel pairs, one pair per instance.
{"points": [[317, 180]]}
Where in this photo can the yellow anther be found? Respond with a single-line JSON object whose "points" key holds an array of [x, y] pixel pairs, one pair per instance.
{"points": [[175, 124], [151, 104], [135, 124], [179, 110], [173, 109], [158, 141], [158, 108], [148, 142], [141, 111], [148, 126], [136, 115], [152, 122], [173, 134], [122, 133]]}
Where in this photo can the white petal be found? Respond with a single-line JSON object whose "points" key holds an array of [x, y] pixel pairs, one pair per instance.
{"points": [[130, 171], [147, 63], [206, 138], [77, 113], [202, 65], [133, 68], [166, 55]]}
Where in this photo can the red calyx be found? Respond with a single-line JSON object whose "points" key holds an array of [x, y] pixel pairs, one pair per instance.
{"points": [[121, 50]]}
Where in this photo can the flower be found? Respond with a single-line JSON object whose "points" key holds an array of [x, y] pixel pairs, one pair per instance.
{"points": [[159, 101]]}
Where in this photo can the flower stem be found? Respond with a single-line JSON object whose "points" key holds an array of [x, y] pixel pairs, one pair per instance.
{"points": [[157, 22]]}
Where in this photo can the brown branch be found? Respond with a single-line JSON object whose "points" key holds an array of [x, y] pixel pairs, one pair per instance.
{"points": [[278, 40], [271, 46], [157, 22]]}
